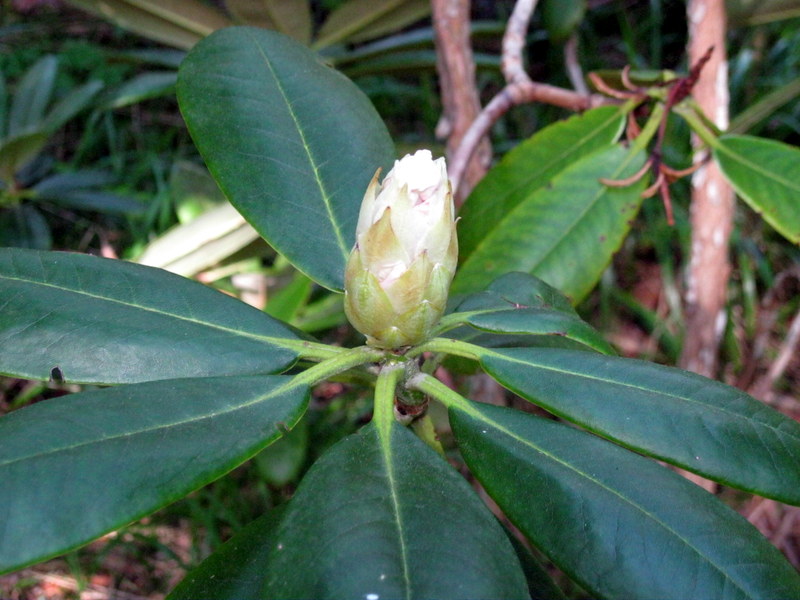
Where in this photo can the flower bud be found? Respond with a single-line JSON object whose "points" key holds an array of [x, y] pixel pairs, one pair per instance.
{"points": [[405, 255]]}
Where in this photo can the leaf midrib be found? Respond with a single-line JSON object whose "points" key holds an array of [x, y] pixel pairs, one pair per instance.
{"points": [[384, 438], [525, 442], [689, 400], [582, 141], [262, 338], [194, 419], [722, 147], [343, 247]]}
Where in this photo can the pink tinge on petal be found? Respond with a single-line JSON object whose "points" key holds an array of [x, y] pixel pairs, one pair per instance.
{"points": [[388, 273]]}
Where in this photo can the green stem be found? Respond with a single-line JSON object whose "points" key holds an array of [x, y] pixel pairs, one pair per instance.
{"points": [[309, 350], [383, 412], [703, 131], [431, 386], [649, 130], [344, 361], [448, 346], [454, 320]]}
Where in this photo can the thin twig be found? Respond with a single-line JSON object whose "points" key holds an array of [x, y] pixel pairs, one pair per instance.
{"points": [[514, 41], [763, 387], [519, 89], [573, 66]]}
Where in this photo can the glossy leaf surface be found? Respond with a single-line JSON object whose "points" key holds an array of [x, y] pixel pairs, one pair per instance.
{"points": [[107, 321], [700, 424], [291, 142], [520, 304], [76, 467], [386, 517], [766, 174], [620, 524], [529, 167], [566, 232]]}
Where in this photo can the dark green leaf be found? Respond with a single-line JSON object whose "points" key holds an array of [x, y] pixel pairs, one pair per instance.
{"points": [[280, 463], [70, 105], [565, 232], [620, 524], [685, 419], [386, 517], [540, 585], [562, 17], [107, 321], [3, 105], [32, 96], [235, 571], [529, 167], [79, 466], [520, 304], [104, 202], [291, 142], [22, 226], [766, 174], [55, 185]]}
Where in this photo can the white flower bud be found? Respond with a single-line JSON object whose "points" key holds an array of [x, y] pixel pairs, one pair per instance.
{"points": [[400, 269]]}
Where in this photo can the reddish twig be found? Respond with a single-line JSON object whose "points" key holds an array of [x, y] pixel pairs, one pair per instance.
{"points": [[519, 89]]}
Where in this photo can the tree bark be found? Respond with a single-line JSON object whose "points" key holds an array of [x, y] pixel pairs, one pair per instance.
{"points": [[458, 89], [712, 202]]}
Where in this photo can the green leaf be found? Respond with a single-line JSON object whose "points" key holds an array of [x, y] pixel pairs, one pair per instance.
{"points": [[291, 142], [566, 232], [386, 517], [766, 174], [70, 105], [144, 86], [108, 321], [562, 17], [520, 304], [3, 105], [180, 23], [55, 185], [699, 424], [529, 167], [355, 16], [22, 226], [76, 467], [104, 202], [32, 96], [290, 299], [236, 570], [395, 21], [16, 151], [540, 585], [618, 523]]}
